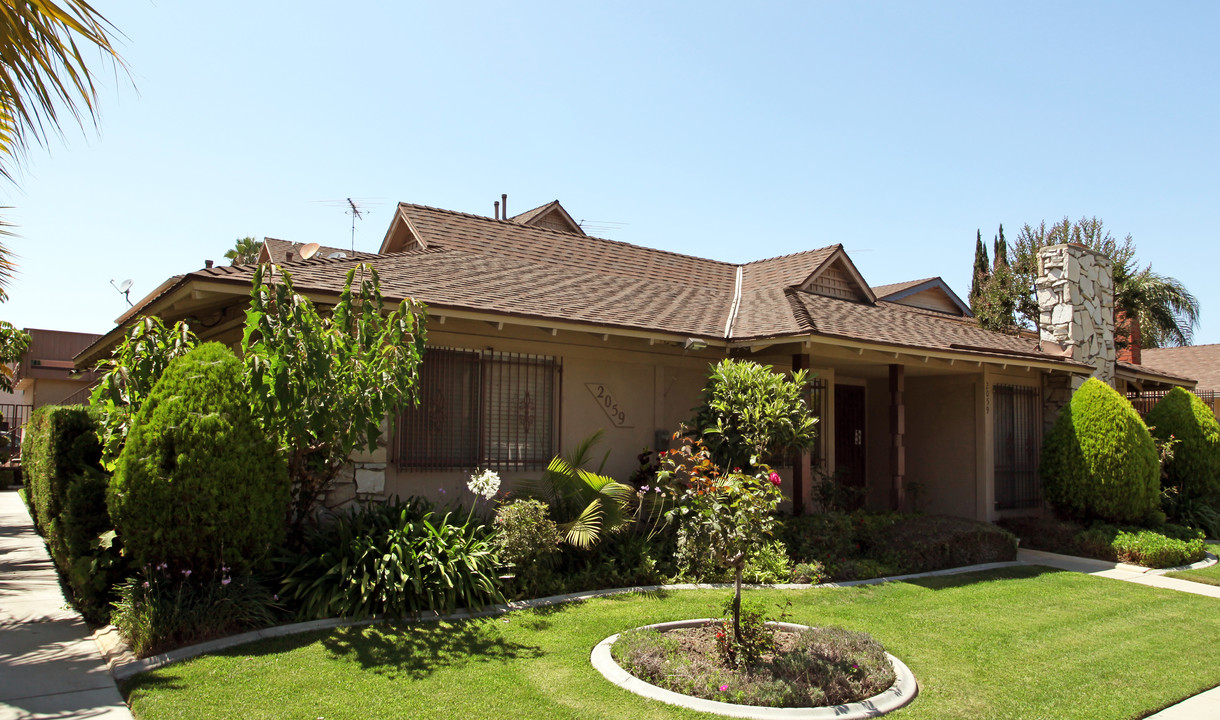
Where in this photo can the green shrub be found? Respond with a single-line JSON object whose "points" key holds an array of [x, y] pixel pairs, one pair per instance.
{"points": [[1194, 470], [60, 445], [198, 485], [159, 610], [67, 489], [824, 537], [768, 565], [751, 414], [1171, 547], [391, 560], [527, 540], [923, 543], [811, 572], [1099, 460], [1168, 545]]}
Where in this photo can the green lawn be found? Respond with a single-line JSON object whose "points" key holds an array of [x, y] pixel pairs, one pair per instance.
{"points": [[1021, 642], [1208, 575]]}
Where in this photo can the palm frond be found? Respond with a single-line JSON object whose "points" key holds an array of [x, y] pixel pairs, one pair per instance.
{"points": [[585, 530]]}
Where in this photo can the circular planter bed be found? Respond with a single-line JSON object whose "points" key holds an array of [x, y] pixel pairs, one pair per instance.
{"points": [[901, 692]]}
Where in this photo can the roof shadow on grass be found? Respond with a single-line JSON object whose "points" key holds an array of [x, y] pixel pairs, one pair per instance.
{"points": [[946, 582], [415, 651]]}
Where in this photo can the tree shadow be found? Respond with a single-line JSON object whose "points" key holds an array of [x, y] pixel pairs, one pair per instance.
{"points": [[956, 580], [416, 650]]}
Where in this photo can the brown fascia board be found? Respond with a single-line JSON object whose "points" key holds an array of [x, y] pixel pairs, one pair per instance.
{"points": [[1132, 371], [840, 253]]}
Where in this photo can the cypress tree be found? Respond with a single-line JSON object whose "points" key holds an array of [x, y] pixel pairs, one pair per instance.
{"points": [[982, 271]]}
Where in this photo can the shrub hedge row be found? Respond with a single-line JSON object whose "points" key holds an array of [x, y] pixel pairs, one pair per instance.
{"points": [[66, 492]]}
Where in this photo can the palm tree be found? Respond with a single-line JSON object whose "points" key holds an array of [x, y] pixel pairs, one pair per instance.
{"points": [[245, 251], [1167, 312], [42, 75]]}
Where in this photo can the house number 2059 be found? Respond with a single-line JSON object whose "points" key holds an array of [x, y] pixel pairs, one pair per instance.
{"points": [[609, 404]]}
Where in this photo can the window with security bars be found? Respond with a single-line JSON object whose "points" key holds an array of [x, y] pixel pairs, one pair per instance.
{"points": [[481, 409], [1018, 437]]}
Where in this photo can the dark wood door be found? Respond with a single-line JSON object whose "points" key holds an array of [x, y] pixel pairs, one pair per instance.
{"points": [[849, 438]]}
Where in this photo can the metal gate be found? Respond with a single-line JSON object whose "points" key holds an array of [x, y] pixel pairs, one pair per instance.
{"points": [[1017, 446]]}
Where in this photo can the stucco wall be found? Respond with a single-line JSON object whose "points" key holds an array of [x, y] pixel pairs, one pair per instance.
{"points": [[941, 444], [654, 386]]}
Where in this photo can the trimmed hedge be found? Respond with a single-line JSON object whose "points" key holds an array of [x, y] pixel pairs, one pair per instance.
{"points": [[1165, 546], [198, 486], [66, 492], [1195, 468], [864, 545], [1099, 461]]}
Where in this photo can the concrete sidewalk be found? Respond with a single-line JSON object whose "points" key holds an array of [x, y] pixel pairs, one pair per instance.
{"points": [[49, 665]]}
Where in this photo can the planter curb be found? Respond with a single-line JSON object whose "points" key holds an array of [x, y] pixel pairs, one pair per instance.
{"points": [[902, 692]]}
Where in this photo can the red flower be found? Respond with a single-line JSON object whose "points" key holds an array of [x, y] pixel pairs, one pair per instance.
{"points": [[774, 478]]}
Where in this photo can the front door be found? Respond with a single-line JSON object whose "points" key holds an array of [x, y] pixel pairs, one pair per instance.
{"points": [[849, 440]]}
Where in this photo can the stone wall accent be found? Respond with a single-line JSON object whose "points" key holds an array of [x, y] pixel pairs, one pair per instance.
{"points": [[1075, 289], [362, 477]]}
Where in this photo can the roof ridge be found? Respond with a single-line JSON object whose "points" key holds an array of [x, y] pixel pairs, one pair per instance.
{"points": [[909, 282], [569, 236], [1182, 347], [794, 254]]}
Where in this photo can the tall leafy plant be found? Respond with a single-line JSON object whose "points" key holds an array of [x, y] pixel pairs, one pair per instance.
{"points": [[129, 375], [322, 385], [751, 414]]}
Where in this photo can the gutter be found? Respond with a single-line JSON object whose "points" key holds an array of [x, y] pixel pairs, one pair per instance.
{"points": [[728, 325]]}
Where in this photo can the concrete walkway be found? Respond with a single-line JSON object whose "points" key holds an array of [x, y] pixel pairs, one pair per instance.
{"points": [[49, 665]]}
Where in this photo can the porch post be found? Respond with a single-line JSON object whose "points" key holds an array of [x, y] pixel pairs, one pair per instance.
{"points": [[800, 464], [897, 428]]}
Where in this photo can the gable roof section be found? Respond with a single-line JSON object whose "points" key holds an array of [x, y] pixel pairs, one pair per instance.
{"points": [[837, 276], [1198, 362], [898, 292], [552, 215]]}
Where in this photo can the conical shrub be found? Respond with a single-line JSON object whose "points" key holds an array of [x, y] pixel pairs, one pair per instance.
{"points": [[1099, 461], [199, 487]]}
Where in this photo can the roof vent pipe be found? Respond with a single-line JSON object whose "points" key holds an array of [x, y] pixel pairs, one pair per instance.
{"points": [[288, 256], [497, 204], [504, 204], [207, 264]]}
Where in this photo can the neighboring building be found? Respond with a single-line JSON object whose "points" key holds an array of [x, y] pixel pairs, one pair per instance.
{"points": [[1201, 362], [283, 251], [540, 335], [46, 374]]}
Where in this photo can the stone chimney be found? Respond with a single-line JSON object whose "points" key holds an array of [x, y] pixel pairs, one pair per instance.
{"points": [[1076, 299]]}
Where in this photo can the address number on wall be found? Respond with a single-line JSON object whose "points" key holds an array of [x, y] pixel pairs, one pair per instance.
{"points": [[609, 404]]}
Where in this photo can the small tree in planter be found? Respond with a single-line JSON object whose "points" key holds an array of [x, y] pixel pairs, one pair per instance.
{"points": [[729, 514]]}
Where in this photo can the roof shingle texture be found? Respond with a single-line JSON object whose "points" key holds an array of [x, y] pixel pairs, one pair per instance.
{"points": [[1200, 362], [479, 263]]}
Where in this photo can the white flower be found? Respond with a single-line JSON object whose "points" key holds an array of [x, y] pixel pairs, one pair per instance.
{"points": [[485, 484]]}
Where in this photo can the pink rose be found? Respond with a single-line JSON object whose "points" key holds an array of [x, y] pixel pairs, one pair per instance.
{"points": [[774, 478]]}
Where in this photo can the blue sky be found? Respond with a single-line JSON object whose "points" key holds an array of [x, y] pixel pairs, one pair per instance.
{"points": [[734, 131]]}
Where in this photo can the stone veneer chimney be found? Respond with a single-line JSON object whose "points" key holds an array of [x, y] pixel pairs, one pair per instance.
{"points": [[1076, 298]]}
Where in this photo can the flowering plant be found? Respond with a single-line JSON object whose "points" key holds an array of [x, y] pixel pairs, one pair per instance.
{"points": [[727, 514], [485, 484]]}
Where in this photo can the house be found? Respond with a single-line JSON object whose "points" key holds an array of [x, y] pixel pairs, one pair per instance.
{"points": [[1201, 362], [46, 374], [278, 251], [540, 335]]}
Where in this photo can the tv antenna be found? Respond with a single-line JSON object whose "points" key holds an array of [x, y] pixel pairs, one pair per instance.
{"points": [[356, 208], [124, 289]]}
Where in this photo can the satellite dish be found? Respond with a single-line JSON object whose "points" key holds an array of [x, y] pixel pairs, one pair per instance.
{"points": [[124, 289], [337, 255], [310, 250]]}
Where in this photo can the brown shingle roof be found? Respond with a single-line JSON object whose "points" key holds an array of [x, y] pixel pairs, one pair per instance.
{"points": [[1198, 362], [884, 291], [500, 266], [278, 250]]}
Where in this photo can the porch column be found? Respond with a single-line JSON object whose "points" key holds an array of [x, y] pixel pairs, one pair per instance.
{"points": [[801, 463], [897, 428]]}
